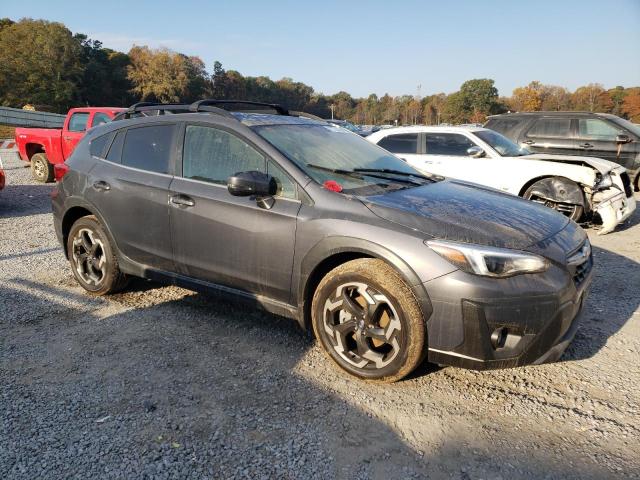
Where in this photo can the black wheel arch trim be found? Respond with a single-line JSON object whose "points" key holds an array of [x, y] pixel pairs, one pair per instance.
{"points": [[348, 248]]}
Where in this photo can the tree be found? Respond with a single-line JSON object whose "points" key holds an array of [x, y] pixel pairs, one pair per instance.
{"points": [[165, 76], [529, 98], [617, 96], [591, 97], [41, 64], [555, 98], [631, 105]]}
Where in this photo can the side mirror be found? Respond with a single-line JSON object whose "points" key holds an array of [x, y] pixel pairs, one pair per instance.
{"points": [[475, 152], [623, 138], [245, 184]]}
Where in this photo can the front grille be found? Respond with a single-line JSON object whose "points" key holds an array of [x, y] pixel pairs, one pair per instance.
{"points": [[626, 183], [580, 262], [582, 270]]}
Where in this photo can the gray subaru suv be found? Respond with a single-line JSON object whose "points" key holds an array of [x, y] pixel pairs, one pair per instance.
{"points": [[310, 221]]}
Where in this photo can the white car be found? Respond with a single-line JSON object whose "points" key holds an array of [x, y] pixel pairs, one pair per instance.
{"points": [[583, 188]]}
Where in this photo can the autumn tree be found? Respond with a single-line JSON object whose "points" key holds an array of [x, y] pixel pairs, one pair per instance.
{"points": [[591, 97], [555, 98], [631, 105], [529, 98], [165, 76]]}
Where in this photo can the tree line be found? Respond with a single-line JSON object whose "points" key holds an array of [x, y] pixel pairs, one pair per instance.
{"points": [[44, 64]]}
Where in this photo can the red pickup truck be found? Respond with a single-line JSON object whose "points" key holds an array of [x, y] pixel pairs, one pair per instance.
{"points": [[44, 147]]}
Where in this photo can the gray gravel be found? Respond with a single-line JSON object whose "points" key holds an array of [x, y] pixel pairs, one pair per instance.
{"points": [[161, 382]]}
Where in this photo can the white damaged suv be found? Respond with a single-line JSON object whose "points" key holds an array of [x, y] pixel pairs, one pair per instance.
{"points": [[583, 188]]}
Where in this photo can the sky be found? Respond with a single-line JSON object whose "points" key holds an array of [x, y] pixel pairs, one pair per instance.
{"points": [[396, 47]]}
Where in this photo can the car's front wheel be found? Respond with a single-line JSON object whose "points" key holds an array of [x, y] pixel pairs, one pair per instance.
{"points": [[572, 210], [92, 258], [368, 320]]}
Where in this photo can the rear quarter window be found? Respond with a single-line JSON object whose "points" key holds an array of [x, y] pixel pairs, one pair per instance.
{"points": [[148, 148], [99, 145]]}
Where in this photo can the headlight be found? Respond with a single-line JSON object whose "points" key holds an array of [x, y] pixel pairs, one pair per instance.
{"points": [[488, 261], [604, 182]]}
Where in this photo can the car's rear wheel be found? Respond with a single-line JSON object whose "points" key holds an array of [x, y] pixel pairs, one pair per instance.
{"points": [[368, 320], [41, 169], [571, 210], [92, 259]]}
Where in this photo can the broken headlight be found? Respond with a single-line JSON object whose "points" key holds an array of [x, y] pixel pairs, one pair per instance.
{"points": [[603, 181], [488, 261]]}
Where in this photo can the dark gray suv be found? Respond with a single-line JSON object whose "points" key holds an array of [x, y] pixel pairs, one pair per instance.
{"points": [[586, 134], [310, 221]]}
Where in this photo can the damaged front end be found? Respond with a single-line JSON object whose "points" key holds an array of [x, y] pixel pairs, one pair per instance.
{"points": [[612, 200]]}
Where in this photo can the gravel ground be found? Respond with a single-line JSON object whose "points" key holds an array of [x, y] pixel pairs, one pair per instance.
{"points": [[161, 382]]}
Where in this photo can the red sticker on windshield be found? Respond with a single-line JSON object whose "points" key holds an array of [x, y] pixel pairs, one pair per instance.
{"points": [[333, 186]]}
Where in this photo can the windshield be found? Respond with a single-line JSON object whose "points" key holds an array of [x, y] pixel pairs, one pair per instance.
{"points": [[632, 127], [330, 153], [502, 144]]}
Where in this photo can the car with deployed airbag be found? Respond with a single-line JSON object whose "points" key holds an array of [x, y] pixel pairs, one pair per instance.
{"points": [[386, 265]]}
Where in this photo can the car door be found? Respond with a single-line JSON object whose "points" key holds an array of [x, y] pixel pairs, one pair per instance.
{"points": [[552, 135], [130, 187], [597, 138], [404, 145], [233, 241], [75, 128]]}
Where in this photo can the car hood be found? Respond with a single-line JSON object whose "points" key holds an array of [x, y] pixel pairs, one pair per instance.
{"points": [[460, 211], [601, 165]]}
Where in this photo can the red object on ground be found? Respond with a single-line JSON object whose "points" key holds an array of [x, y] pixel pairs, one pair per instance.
{"points": [[2, 180], [332, 185], [58, 144]]}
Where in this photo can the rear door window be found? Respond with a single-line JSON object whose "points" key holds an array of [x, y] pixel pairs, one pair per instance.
{"points": [[78, 122], [400, 143], [100, 118], [148, 148], [596, 129], [452, 144], [551, 128], [99, 145]]}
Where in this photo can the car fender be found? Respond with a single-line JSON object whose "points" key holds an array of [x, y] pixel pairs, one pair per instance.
{"points": [[337, 245]]}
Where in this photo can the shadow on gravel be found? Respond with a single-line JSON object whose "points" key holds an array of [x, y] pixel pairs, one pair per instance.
{"points": [[24, 200], [196, 387]]}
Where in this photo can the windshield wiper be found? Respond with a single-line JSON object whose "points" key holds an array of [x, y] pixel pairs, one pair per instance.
{"points": [[339, 171], [373, 171]]}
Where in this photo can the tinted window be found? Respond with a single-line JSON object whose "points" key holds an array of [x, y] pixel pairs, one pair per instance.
{"points": [[115, 151], [502, 125], [400, 143], [214, 155], [148, 148], [448, 144], [551, 127], [99, 144], [286, 187], [78, 122], [99, 118], [597, 129]]}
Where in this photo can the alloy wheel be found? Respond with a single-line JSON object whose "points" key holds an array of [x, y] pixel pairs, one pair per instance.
{"points": [[363, 326], [89, 257]]}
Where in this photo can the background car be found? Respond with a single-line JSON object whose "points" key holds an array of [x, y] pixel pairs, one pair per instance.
{"points": [[348, 125], [575, 186], [588, 134]]}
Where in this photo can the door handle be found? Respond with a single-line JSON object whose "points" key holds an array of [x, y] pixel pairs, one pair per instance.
{"points": [[182, 201], [529, 142], [101, 185], [586, 145]]}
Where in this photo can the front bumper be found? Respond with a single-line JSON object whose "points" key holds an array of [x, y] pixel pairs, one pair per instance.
{"points": [[537, 316], [613, 207]]}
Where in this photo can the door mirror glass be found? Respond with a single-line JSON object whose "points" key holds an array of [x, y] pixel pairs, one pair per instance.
{"points": [[244, 184], [475, 152], [623, 138]]}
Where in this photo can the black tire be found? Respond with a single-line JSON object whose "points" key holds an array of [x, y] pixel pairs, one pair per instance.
{"points": [[92, 259], [41, 169], [571, 210], [390, 332]]}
